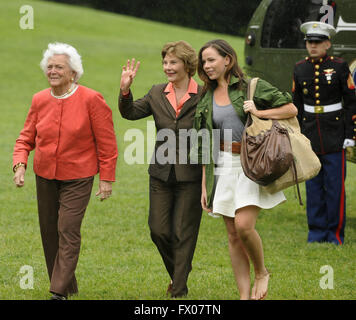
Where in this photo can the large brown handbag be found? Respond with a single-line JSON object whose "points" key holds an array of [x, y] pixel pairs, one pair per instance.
{"points": [[266, 152], [306, 163]]}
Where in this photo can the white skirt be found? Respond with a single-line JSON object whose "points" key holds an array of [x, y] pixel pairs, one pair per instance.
{"points": [[233, 190]]}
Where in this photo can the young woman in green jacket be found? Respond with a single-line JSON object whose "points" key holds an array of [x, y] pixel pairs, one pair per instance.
{"points": [[226, 191]]}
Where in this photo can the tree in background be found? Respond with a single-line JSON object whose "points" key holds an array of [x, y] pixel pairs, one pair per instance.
{"points": [[222, 16]]}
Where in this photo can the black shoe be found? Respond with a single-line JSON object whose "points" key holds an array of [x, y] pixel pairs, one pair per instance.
{"points": [[57, 296], [180, 295]]}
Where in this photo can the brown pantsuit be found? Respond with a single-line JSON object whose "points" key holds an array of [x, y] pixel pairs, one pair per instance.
{"points": [[61, 208], [175, 187], [174, 220]]}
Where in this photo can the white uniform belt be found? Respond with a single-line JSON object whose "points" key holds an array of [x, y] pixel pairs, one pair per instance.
{"points": [[322, 109]]}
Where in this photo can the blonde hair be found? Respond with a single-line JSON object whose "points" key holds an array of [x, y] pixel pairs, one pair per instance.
{"points": [[74, 59], [183, 51]]}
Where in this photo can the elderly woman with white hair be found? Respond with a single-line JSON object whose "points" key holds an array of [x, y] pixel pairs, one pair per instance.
{"points": [[71, 128]]}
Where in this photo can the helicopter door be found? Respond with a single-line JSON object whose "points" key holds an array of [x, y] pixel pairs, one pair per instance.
{"points": [[283, 19]]}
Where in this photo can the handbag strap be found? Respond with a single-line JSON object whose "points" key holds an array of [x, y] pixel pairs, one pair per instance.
{"points": [[296, 181], [251, 88]]}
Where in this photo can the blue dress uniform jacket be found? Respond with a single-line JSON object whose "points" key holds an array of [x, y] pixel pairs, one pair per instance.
{"points": [[319, 83]]}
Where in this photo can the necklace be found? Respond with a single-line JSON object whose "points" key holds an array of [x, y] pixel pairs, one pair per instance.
{"points": [[67, 93]]}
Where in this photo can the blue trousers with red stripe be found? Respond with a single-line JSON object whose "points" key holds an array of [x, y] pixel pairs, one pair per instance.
{"points": [[326, 200]]}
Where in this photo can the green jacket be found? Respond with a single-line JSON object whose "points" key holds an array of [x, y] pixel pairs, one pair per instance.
{"points": [[266, 96]]}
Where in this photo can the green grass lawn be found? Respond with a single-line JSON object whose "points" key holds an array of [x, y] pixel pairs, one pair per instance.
{"points": [[118, 259]]}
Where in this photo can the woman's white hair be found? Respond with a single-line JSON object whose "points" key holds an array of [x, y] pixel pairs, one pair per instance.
{"points": [[75, 60]]}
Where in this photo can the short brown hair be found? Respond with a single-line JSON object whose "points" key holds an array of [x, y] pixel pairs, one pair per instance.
{"points": [[183, 51]]}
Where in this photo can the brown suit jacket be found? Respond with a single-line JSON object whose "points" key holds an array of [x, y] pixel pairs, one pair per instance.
{"points": [[156, 103]]}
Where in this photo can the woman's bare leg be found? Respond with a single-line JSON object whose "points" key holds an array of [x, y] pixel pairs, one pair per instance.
{"points": [[245, 221], [239, 260]]}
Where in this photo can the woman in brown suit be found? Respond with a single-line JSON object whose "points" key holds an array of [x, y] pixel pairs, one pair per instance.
{"points": [[175, 189]]}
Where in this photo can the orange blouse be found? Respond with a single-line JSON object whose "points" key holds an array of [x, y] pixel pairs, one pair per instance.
{"points": [[73, 137], [171, 96]]}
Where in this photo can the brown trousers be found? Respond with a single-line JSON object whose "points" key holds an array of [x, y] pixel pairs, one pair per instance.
{"points": [[174, 220], [61, 208]]}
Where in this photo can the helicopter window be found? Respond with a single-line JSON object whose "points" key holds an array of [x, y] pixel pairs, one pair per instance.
{"points": [[283, 19]]}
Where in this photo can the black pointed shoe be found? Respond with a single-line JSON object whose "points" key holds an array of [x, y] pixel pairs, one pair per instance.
{"points": [[57, 296]]}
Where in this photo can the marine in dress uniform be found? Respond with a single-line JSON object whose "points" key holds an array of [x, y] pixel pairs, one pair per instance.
{"points": [[324, 93]]}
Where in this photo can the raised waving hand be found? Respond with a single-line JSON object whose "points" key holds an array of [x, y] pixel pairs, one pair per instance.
{"points": [[128, 74]]}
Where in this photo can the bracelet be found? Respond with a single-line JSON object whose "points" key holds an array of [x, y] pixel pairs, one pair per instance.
{"points": [[18, 165]]}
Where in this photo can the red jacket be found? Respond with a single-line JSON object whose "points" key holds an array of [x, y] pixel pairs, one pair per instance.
{"points": [[73, 137]]}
